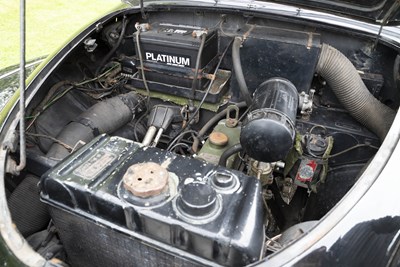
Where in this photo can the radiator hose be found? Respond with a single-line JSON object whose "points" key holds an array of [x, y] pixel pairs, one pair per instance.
{"points": [[103, 117], [352, 93]]}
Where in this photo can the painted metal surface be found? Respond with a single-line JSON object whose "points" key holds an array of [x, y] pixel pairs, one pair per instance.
{"points": [[361, 205]]}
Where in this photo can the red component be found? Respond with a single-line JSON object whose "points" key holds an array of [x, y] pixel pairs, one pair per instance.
{"points": [[306, 170]]}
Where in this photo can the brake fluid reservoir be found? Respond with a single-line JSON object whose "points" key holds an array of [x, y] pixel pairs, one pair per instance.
{"points": [[225, 134]]}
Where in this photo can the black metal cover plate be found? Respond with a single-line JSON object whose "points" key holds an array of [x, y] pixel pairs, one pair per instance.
{"points": [[87, 185]]}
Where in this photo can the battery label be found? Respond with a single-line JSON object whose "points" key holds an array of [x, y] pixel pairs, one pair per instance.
{"points": [[173, 60], [176, 31]]}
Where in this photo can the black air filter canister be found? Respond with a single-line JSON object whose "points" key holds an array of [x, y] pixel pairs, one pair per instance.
{"points": [[268, 133]]}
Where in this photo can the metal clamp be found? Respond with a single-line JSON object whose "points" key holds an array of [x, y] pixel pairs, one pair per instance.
{"points": [[306, 102]]}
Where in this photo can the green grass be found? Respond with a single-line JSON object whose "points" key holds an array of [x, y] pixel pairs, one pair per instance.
{"points": [[48, 25]]}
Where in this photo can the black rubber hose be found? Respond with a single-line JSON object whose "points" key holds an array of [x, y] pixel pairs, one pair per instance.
{"points": [[112, 51], [229, 152], [103, 117], [352, 93], [237, 67]]}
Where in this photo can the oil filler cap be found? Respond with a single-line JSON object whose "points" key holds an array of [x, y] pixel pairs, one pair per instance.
{"points": [[218, 139], [197, 200]]}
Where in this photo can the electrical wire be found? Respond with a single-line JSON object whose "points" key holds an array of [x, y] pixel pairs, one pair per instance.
{"points": [[138, 29], [136, 125], [318, 126], [241, 118], [197, 66], [69, 148], [210, 84], [338, 153], [216, 25], [343, 151], [350, 149], [52, 97], [205, 94], [178, 138], [178, 145]]}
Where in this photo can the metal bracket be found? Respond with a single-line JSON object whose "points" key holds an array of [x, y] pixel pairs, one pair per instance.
{"points": [[144, 15], [90, 44], [306, 102], [232, 122]]}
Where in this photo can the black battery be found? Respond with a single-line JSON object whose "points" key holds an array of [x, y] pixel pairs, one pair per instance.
{"points": [[170, 52]]}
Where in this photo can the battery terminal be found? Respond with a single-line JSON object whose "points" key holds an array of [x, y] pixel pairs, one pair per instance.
{"points": [[199, 33]]}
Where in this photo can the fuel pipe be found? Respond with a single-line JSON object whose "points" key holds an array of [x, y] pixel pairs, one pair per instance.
{"points": [[352, 93]]}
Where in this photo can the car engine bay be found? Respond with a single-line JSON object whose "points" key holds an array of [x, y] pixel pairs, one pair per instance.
{"points": [[192, 138]]}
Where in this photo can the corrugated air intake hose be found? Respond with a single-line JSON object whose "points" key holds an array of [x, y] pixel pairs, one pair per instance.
{"points": [[352, 93]]}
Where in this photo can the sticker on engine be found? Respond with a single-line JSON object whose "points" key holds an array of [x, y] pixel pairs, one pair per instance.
{"points": [[96, 164]]}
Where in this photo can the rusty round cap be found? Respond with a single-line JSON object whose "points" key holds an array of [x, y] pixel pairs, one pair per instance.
{"points": [[218, 139], [146, 179]]}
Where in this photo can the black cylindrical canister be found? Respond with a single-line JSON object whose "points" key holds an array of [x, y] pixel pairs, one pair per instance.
{"points": [[268, 132]]}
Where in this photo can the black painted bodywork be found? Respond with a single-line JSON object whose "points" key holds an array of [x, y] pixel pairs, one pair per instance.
{"points": [[372, 11], [384, 192]]}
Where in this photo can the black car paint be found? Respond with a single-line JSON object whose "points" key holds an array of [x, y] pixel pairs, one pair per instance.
{"points": [[378, 11], [369, 243]]}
